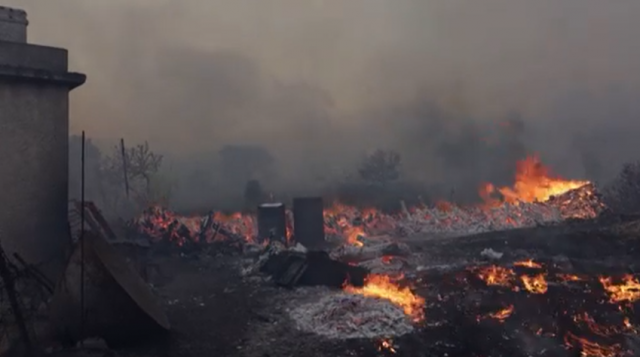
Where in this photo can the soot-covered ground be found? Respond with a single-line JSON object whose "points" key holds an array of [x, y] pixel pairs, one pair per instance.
{"points": [[217, 312]]}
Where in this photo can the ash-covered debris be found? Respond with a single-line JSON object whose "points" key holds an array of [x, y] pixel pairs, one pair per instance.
{"points": [[297, 266], [582, 203], [355, 254], [346, 316], [387, 265]]}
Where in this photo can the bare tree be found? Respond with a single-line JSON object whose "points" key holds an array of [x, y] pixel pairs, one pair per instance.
{"points": [[381, 167], [142, 164]]}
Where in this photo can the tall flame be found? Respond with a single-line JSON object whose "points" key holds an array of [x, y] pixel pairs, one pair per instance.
{"points": [[533, 183]]}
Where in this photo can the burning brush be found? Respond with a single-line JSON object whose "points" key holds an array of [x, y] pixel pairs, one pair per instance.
{"points": [[535, 198]]}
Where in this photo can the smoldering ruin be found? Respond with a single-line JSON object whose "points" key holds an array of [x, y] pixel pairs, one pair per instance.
{"points": [[299, 194]]}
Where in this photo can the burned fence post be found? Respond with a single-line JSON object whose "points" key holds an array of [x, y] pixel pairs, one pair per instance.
{"points": [[308, 221], [272, 222]]}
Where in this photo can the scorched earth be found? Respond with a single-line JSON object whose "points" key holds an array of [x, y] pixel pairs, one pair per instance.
{"points": [[539, 269]]}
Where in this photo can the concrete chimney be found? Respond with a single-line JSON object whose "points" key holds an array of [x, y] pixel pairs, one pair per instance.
{"points": [[13, 25], [34, 145]]}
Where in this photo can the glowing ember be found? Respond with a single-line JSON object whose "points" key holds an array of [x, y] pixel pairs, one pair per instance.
{"points": [[496, 275], [591, 349], [535, 284], [569, 277], [386, 345], [602, 330], [352, 233], [382, 287], [626, 291], [528, 264], [502, 314], [533, 183]]}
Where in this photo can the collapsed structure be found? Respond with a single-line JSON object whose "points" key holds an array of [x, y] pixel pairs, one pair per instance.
{"points": [[34, 129]]}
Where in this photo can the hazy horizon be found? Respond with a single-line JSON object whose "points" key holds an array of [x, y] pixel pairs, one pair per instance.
{"points": [[319, 83]]}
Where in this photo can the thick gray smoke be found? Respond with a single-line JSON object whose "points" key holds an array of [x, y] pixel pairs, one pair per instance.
{"points": [[460, 88]]}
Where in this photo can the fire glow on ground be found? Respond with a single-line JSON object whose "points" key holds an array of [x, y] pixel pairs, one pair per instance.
{"points": [[565, 304]]}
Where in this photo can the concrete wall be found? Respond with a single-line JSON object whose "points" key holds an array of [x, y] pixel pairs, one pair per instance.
{"points": [[34, 129]]}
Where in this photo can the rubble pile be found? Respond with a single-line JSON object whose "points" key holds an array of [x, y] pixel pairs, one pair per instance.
{"points": [[298, 267]]}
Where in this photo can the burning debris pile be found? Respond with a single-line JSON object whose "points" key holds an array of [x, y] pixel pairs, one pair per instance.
{"points": [[480, 297], [535, 198]]}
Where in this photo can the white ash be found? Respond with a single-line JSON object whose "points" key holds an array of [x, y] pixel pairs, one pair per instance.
{"points": [[385, 266], [444, 267], [250, 266], [346, 316], [366, 252], [491, 254]]}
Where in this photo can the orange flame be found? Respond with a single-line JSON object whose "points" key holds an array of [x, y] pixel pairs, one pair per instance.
{"points": [[386, 345], [502, 314], [627, 291], [382, 287], [528, 264], [536, 284], [533, 183], [496, 275]]}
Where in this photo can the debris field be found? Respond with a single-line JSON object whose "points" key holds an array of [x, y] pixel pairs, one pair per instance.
{"points": [[541, 268]]}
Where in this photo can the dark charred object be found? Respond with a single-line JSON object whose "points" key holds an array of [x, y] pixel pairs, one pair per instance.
{"points": [[314, 268], [308, 221], [118, 306], [253, 194], [272, 221]]}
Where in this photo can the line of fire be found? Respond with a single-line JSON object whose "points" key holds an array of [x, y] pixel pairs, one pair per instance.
{"points": [[543, 266]]}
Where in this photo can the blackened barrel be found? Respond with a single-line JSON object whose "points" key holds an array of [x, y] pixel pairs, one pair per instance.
{"points": [[272, 222], [308, 221]]}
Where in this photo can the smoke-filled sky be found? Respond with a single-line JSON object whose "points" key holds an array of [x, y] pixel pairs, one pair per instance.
{"points": [[321, 81]]}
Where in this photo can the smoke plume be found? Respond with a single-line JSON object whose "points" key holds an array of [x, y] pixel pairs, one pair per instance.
{"points": [[460, 88]]}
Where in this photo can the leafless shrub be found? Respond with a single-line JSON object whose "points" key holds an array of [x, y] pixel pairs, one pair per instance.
{"points": [[623, 193], [142, 166]]}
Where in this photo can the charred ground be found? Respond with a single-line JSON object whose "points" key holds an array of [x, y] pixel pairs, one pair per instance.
{"points": [[215, 310]]}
